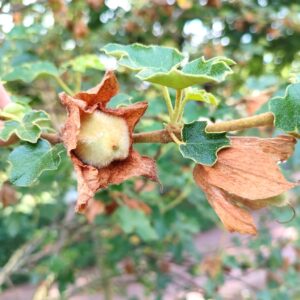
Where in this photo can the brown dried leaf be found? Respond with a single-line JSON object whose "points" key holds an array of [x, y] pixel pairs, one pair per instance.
{"points": [[90, 178], [246, 176], [233, 217]]}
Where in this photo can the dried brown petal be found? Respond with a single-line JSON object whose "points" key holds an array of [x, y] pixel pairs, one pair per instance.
{"points": [[250, 167], [102, 93], [233, 217], [246, 176]]}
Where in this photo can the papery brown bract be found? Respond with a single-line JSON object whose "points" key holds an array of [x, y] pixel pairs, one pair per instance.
{"points": [[90, 178], [245, 177]]}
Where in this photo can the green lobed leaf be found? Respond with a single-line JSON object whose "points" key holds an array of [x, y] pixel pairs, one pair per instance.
{"points": [[200, 146], [137, 56], [29, 161], [286, 109], [27, 129], [83, 62], [199, 71], [160, 65], [135, 221], [30, 71]]}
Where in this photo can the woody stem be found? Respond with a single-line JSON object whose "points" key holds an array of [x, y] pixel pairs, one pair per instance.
{"points": [[163, 136]]}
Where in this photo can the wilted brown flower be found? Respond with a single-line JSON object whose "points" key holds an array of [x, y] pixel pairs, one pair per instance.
{"points": [[99, 140]]}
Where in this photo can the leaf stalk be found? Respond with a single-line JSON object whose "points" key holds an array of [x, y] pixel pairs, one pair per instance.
{"points": [[168, 101], [64, 86]]}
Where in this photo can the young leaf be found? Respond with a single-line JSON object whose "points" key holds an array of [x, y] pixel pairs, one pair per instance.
{"points": [[200, 146], [83, 62], [135, 221], [199, 71], [27, 129], [30, 71], [160, 65], [29, 161], [287, 109]]}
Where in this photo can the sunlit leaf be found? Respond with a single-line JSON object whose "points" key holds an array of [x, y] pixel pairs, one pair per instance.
{"points": [[200, 146], [29, 161]]}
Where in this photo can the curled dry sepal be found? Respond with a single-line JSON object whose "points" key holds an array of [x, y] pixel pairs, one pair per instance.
{"points": [[246, 177], [99, 140]]}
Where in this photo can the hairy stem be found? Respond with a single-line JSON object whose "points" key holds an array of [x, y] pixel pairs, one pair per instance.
{"points": [[177, 106], [265, 119], [181, 108], [163, 136], [168, 100]]}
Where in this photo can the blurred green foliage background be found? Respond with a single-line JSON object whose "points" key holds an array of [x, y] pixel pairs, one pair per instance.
{"points": [[177, 249]]}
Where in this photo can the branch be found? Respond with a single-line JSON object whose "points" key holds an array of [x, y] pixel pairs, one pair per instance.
{"points": [[163, 136]]}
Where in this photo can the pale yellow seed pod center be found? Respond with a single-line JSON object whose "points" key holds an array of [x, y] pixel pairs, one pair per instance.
{"points": [[103, 138]]}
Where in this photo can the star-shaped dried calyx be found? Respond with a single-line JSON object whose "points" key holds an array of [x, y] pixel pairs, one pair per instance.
{"points": [[246, 177], [99, 140]]}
